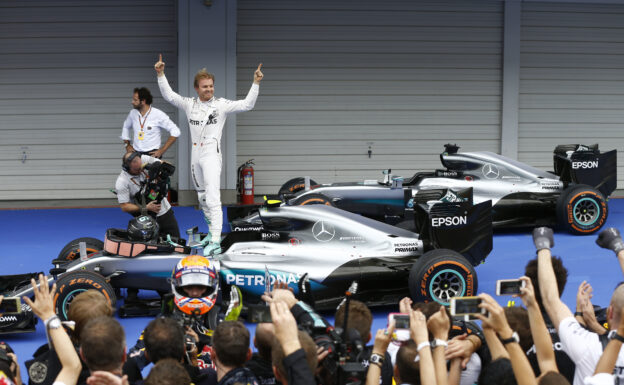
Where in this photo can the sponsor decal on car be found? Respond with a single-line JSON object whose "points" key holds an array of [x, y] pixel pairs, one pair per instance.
{"points": [[8, 318], [585, 164], [294, 241], [356, 239], [449, 221], [270, 236], [254, 281], [323, 231], [248, 228], [490, 171], [406, 247]]}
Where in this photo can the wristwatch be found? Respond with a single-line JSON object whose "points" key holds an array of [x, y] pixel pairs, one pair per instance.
{"points": [[376, 359], [438, 342], [514, 338], [614, 336], [53, 322]]}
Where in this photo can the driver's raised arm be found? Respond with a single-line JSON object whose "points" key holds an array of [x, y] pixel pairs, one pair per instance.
{"points": [[165, 89]]}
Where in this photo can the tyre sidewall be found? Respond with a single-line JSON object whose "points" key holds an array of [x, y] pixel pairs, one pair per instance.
{"points": [[423, 274], [566, 210], [313, 199], [72, 284], [294, 185], [71, 251]]}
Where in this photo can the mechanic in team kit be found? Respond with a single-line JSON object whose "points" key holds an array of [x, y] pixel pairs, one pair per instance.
{"points": [[130, 181], [206, 116], [146, 123]]}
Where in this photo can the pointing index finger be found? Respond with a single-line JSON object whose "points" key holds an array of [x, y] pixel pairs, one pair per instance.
{"points": [[259, 67], [160, 57]]}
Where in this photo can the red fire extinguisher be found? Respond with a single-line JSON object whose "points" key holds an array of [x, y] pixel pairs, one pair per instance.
{"points": [[246, 183]]}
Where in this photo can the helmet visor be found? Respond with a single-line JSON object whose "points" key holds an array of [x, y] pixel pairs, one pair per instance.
{"points": [[203, 279]]}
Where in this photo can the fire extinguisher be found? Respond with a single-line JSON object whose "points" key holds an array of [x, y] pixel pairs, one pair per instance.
{"points": [[245, 184]]}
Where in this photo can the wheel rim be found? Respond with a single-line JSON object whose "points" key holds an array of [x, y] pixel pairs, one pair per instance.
{"points": [[68, 300], [586, 211], [445, 285]]}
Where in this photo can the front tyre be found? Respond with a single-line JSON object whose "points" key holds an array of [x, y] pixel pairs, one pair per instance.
{"points": [[581, 209], [439, 275], [70, 284]]}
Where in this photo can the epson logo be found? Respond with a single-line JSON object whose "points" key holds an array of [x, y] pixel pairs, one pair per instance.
{"points": [[8, 318], [449, 221], [592, 164]]}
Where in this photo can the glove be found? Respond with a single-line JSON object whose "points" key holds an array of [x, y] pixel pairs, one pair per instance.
{"points": [[236, 304], [610, 239], [543, 238]]}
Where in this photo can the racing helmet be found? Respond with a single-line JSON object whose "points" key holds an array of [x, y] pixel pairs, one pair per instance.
{"points": [[142, 228], [195, 270]]}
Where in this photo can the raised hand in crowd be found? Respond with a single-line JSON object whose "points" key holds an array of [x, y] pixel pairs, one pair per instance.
{"points": [[43, 307], [497, 322], [611, 239], [541, 338], [439, 325], [606, 364], [258, 75], [380, 346], [585, 309], [420, 335]]}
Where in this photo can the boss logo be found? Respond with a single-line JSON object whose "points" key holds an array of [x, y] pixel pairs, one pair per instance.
{"points": [[592, 164], [449, 221], [270, 236]]}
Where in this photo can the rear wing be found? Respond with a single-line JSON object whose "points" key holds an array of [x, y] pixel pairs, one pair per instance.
{"points": [[447, 219], [580, 164]]}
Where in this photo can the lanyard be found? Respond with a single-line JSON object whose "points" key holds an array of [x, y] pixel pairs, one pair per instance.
{"points": [[144, 120]]}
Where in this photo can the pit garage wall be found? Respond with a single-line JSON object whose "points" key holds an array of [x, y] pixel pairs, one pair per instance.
{"points": [[67, 73], [399, 77], [571, 79]]}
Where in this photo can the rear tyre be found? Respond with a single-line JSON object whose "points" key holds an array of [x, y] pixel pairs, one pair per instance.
{"points": [[294, 185], [313, 199], [439, 275], [71, 250], [581, 209], [69, 285]]}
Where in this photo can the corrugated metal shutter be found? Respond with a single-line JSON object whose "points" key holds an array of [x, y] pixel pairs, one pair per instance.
{"points": [[571, 79], [67, 73], [403, 77]]}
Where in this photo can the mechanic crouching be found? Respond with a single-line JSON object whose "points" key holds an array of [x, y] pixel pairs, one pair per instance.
{"points": [[131, 190], [195, 305]]}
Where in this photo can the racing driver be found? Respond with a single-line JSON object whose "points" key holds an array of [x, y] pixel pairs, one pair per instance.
{"points": [[206, 117]]}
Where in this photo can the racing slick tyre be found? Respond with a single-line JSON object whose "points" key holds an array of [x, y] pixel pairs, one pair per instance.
{"points": [[313, 199], [581, 209], [69, 285], [294, 185], [441, 274], [71, 250]]}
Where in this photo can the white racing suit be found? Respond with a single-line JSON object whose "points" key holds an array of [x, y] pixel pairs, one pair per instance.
{"points": [[206, 121]]}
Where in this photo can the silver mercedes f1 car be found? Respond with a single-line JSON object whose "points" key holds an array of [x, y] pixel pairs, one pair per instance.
{"points": [[330, 247], [573, 196]]}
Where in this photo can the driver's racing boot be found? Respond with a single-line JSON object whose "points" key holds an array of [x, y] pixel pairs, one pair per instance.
{"points": [[212, 249]]}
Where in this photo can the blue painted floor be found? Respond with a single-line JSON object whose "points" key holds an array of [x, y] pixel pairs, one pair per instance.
{"points": [[30, 239]]}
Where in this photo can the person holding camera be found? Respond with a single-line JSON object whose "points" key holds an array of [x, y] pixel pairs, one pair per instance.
{"points": [[130, 182]]}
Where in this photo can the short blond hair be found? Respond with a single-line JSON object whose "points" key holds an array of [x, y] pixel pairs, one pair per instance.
{"points": [[202, 74]]}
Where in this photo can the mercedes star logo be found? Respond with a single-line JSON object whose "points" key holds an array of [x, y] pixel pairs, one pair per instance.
{"points": [[490, 171], [323, 232]]}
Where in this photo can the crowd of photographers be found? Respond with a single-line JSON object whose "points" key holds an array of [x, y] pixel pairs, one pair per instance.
{"points": [[543, 342]]}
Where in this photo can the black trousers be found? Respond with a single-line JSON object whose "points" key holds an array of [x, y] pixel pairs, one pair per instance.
{"points": [[168, 224]]}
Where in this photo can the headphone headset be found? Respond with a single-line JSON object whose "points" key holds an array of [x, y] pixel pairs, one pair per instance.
{"points": [[125, 164]]}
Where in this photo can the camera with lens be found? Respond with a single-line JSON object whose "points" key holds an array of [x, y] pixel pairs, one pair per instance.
{"points": [[156, 186]]}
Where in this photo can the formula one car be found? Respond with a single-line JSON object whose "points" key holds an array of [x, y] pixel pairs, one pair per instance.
{"points": [[572, 196], [330, 247]]}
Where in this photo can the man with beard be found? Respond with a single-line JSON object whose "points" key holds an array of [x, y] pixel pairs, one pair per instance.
{"points": [[146, 122]]}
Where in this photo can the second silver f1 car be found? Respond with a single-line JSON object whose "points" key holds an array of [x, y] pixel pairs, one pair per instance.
{"points": [[573, 196]]}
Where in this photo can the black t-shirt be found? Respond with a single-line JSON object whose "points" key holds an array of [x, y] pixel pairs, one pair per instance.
{"points": [[564, 363], [262, 369]]}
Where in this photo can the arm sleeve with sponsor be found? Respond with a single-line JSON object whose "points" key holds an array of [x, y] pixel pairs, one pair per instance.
{"points": [[232, 107]]}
